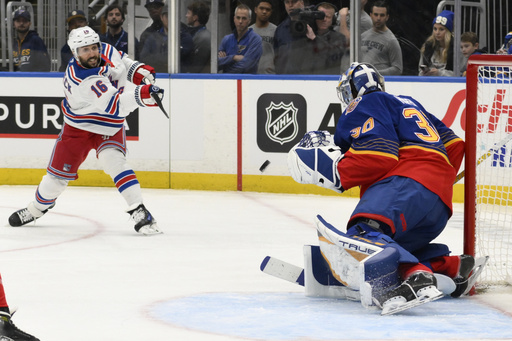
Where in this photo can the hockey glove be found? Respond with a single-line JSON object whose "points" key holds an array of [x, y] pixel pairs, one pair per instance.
{"points": [[317, 166], [146, 93], [142, 72], [316, 138]]}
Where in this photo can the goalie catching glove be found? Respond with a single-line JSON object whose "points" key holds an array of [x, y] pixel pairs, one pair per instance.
{"points": [[316, 163], [147, 92]]}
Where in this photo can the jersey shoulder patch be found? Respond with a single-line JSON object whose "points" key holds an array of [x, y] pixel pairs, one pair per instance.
{"points": [[353, 104]]}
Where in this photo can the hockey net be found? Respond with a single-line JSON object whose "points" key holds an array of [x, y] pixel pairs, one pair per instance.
{"points": [[488, 165]]}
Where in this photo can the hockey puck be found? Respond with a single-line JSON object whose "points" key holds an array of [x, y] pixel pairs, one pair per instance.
{"points": [[264, 166]]}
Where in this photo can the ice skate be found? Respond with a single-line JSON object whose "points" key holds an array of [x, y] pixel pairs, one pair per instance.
{"points": [[470, 270], [144, 222], [9, 331], [26, 215], [418, 289], [467, 263]]}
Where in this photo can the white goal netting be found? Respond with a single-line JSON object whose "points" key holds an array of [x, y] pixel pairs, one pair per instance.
{"points": [[493, 214]]}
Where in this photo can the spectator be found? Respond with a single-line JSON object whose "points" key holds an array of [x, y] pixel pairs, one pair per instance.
{"points": [[437, 51], [154, 8], [344, 18], [29, 51], [266, 30], [379, 46], [327, 46], [468, 46], [507, 45], [116, 35], [154, 50], [288, 47], [76, 18], [197, 16], [240, 51], [365, 23]]}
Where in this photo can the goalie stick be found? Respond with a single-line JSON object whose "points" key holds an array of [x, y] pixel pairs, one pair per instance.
{"points": [[283, 270], [482, 158], [295, 274]]}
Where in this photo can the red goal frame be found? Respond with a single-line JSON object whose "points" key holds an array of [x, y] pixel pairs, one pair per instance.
{"points": [[474, 62]]}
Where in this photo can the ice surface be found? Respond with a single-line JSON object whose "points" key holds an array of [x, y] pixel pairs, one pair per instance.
{"points": [[82, 273]]}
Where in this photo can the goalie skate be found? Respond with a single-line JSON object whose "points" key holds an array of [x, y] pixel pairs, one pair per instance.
{"points": [[419, 289], [473, 277]]}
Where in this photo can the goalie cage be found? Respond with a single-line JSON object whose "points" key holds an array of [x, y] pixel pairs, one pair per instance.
{"points": [[488, 165]]}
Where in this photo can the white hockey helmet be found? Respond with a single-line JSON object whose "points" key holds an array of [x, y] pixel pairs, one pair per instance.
{"points": [[359, 79], [82, 36]]}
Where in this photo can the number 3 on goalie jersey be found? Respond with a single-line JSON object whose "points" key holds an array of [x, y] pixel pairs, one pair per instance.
{"points": [[430, 134]]}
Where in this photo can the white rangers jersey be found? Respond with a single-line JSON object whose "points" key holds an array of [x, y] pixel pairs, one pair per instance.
{"points": [[96, 100]]}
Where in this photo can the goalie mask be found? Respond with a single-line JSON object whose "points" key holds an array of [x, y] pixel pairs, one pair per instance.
{"points": [[80, 37], [359, 79]]}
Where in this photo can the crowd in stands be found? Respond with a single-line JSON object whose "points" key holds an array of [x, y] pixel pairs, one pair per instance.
{"points": [[310, 40]]}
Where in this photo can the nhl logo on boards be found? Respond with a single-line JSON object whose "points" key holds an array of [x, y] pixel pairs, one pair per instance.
{"points": [[281, 121]]}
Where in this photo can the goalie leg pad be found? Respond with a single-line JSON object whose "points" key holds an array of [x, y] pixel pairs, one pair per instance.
{"points": [[319, 280], [358, 259]]}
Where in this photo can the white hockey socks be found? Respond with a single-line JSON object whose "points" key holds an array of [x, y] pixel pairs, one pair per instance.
{"points": [[49, 189], [114, 164]]}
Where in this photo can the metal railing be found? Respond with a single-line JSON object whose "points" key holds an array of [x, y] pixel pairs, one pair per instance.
{"points": [[489, 19]]}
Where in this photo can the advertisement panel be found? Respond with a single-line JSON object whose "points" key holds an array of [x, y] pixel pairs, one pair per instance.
{"points": [[272, 116], [31, 119]]}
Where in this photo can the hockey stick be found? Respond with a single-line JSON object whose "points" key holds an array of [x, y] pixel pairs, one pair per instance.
{"points": [[159, 102], [482, 158], [157, 99], [283, 270]]}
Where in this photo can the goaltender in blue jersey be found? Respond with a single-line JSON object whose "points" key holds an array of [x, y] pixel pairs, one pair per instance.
{"points": [[405, 162]]}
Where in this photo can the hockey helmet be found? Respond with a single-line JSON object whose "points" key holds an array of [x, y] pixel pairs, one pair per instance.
{"points": [[80, 37], [359, 79]]}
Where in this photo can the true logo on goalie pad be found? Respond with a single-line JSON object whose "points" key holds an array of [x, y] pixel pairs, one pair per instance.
{"points": [[359, 252]]}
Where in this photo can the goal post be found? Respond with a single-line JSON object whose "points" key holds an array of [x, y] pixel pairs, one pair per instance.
{"points": [[488, 165]]}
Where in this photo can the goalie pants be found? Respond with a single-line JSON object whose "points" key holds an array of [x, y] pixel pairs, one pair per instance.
{"points": [[413, 216], [70, 151]]}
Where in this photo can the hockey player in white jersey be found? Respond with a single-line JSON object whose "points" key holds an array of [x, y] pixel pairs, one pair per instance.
{"points": [[95, 107]]}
